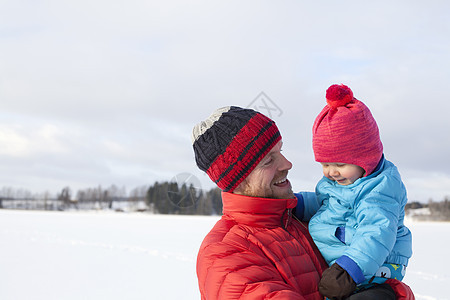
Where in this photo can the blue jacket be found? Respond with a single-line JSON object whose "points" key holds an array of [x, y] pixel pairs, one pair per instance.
{"points": [[360, 226]]}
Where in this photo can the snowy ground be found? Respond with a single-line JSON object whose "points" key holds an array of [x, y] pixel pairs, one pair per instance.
{"points": [[88, 255]]}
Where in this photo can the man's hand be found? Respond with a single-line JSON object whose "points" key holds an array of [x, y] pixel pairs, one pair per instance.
{"points": [[336, 283]]}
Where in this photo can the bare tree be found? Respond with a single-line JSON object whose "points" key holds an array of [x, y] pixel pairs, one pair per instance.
{"points": [[65, 196]]}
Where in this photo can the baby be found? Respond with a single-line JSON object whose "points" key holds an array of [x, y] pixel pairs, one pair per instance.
{"points": [[359, 226]]}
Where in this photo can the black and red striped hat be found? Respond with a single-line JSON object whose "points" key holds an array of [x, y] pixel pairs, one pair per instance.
{"points": [[231, 142]]}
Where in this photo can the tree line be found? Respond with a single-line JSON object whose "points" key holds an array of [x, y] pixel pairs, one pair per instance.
{"points": [[431, 211], [170, 198], [160, 198], [163, 198]]}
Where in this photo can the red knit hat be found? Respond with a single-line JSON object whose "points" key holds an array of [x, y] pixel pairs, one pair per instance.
{"points": [[231, 142], [346, 132]]}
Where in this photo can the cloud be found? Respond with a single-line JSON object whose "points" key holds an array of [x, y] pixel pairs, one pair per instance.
{"points": [[95, 92]]}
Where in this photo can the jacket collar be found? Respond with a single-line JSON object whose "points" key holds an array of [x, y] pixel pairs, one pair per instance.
{"points": [[379, 166], [254, 211]]}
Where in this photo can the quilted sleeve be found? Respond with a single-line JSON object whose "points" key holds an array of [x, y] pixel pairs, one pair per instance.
{"points": [[229, 267], [308, 204], [377, 216], [239, 274]]}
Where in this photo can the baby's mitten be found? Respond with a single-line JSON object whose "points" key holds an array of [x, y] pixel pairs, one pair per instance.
{"points": [[336, 283]]}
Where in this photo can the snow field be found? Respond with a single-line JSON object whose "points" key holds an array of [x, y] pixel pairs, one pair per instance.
{"points": [[102, 255]]}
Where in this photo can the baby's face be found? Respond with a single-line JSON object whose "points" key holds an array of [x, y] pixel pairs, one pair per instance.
{"points": [[343, 174]]}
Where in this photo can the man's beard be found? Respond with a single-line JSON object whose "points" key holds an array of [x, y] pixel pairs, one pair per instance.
{"points": [[272, 191]]}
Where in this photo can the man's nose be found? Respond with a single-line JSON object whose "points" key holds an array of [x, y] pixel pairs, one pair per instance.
{"points": [[285, 163]]}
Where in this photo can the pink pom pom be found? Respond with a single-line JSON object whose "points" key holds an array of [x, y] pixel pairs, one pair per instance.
{"points": [[338, 95]]}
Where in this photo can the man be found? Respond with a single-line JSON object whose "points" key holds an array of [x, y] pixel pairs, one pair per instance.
{"points": [[256, 250]]}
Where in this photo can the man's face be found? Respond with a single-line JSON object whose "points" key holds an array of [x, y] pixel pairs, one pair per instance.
{"points": [[269, 178]]}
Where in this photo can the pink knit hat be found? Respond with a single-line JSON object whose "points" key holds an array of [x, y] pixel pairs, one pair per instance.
{"points": [[346, 132]]}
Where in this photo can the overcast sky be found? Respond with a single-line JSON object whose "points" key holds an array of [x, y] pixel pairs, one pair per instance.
{"points": [[106, 92]]}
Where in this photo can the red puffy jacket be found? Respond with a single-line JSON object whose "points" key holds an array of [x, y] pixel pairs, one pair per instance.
{"points": [[255, 251]]}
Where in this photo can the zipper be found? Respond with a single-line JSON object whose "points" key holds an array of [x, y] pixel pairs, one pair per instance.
{"points": [[284, 223], [288, 219], [301, 223]]}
